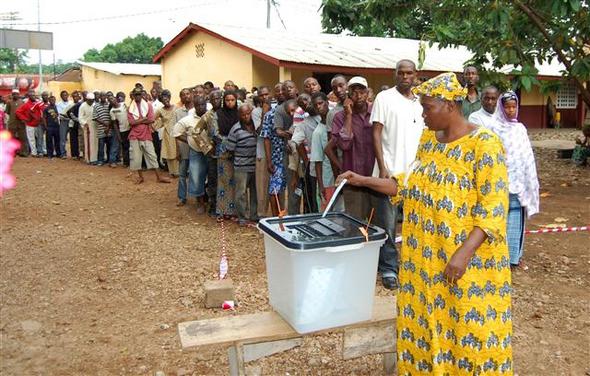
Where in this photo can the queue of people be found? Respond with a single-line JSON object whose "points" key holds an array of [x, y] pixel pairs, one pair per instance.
{"points": [[453, 161]]}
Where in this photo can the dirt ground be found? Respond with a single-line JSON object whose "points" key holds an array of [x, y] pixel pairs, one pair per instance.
{"points": [[96, 273]]}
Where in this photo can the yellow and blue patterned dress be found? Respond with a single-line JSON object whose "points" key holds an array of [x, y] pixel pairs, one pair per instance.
{"points": [[466, 328]]}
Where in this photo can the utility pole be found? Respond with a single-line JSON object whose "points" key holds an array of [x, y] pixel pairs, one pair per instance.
{"points": [[268, 14], [40, 63]]}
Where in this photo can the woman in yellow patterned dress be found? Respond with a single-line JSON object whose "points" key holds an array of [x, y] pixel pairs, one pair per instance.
{"points": [[454, 304]]}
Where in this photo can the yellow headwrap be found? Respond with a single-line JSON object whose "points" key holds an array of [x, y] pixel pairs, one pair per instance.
{"points": [[445, 86]]}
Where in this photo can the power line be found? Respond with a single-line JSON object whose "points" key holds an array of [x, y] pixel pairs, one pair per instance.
{"points": [[116, 17], [274, 4]]}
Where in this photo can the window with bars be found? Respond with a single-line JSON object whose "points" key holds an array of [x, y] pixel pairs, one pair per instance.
{"points": [[567, 96]]}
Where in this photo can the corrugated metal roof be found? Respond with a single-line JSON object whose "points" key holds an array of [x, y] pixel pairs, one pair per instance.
{"points": [[345, 51], [125, 68]]}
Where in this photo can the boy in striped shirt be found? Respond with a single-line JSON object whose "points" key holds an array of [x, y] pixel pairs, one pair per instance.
{"points": [[242, 141]]}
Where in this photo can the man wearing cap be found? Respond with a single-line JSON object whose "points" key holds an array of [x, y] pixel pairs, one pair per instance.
{"points": [[141, 117], [85, 113], [16, 125], [397, 127], [352, 133]]}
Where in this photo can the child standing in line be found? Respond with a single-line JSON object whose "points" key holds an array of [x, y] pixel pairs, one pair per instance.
{"points": [[51, 125]]}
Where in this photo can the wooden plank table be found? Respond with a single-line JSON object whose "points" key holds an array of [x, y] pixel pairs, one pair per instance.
{"points": [[257, 335]]}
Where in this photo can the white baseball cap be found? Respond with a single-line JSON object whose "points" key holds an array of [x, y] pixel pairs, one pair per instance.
{"points": [[358, 80]]}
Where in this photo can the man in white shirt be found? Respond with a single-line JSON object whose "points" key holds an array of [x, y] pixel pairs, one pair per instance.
{"points": [[484, 116], [64, 121], [89, 129], [397, 128]]}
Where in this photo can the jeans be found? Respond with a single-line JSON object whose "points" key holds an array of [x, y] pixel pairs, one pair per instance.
{"points": [[114, 149], [197, 173], [74, 147], [52, 135], [182, 179], [515, 229], [212, 183], [63, 136], [101, 146], [385, 217], [40, 136], [125, 145], [246, 195]]}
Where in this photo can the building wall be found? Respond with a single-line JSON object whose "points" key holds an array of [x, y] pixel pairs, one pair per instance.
{"points": [[533, 110], [221, 62], [299, 75], [93, 79], [377, 80], [56, 87], [263, 73]]}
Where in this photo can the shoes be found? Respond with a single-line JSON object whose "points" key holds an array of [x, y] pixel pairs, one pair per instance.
{"points": [[113, 165], [200, 209], [390, 283]]}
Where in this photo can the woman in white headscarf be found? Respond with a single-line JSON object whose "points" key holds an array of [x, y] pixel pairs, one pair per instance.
{"points": [[522, 172]]}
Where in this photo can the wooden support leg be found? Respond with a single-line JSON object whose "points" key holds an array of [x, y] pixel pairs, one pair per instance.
{"points": [[389, 363], [236, 360]]}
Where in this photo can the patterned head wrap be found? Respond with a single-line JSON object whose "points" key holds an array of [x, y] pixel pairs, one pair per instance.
{"points": [[444, 86]]}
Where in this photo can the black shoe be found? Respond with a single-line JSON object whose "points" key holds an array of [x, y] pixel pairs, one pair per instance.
{"points": [[390, 283]]}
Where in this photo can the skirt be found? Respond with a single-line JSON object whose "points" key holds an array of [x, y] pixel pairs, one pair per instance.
{"points": [[226, 185]]}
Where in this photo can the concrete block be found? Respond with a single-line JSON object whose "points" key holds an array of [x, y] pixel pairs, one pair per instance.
{"points": [[216, 292]]}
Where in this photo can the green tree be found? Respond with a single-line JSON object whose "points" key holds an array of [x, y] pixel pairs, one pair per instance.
{"points": [[12, 60], [351, 16], [499, 32], [58, 68], [139, 49]]}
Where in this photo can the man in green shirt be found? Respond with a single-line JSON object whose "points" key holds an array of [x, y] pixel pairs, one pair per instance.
{"points": [[473, 101]]}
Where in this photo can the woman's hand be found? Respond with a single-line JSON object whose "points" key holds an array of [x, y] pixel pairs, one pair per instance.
{"points": [[352, 178], [457, 265], [271, 168]]}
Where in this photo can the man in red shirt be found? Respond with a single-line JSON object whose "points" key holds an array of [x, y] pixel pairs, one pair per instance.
{"points": [[30, 113], [141, 118]]}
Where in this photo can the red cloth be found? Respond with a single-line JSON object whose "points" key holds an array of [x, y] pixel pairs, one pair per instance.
{"points": [[31, 113], [142, 131]]}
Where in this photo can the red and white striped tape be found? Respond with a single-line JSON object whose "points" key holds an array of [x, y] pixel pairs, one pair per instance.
{"points": [[398, 239], [558, 229], [223, 262]]}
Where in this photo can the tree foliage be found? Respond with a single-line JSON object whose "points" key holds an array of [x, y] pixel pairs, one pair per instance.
{"points": [[501, 33], [139, 49], [353, 17], [12, 60]]}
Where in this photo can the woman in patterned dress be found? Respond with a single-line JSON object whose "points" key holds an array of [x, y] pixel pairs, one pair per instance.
{"points": [[454, 304], [165, 120], [227, 117]]}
